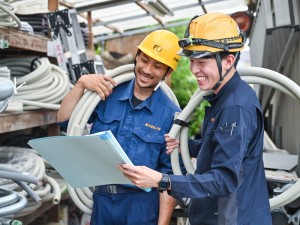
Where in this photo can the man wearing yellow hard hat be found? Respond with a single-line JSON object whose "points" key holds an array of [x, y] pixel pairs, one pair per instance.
{"points": [[138, 113], [229, 185]]}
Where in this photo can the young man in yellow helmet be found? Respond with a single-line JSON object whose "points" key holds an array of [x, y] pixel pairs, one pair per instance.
{"points": [[138, 113], [229, 185]]}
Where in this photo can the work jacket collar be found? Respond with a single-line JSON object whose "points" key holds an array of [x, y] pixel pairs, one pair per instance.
{"points": [[225, 90], [149, 103]]}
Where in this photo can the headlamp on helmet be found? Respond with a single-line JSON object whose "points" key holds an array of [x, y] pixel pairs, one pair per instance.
{"points": [[211, 33]]}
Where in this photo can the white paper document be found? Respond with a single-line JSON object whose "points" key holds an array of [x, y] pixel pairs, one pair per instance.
{"points": [[84, 161]]}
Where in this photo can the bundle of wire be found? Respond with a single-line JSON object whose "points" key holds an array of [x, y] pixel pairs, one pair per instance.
{"points": [[252, 75], [23, 174], [7, 15], [6, 91], [4, 72], [40, 84]]}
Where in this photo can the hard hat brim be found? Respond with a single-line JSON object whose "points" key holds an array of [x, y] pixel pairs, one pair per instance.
{"points": [[195, 54]]}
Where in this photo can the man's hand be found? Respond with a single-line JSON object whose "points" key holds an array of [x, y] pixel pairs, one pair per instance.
{"points": [[99, 83], [171, 144], [141, 176]]}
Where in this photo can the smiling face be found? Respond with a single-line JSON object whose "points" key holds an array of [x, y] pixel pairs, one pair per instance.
{"points": [[207, 74], [149, 72]]}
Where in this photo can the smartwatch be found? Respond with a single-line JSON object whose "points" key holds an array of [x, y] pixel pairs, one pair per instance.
{"points": [[164, 183]]}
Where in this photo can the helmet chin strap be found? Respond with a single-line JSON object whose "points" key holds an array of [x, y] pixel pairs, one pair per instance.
{"points": [[219, 64]]}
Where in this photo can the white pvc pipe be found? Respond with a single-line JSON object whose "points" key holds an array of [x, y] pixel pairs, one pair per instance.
{"points": [[55, 188], [44, 87], [77, 201], [10, 209]]}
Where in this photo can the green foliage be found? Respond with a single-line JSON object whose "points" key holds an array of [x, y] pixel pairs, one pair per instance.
{"points": [[184, 85], [98, 49]]}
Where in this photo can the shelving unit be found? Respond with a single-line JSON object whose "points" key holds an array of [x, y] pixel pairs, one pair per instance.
{"points": [[28, 119], [22, 43], [17, 121]]}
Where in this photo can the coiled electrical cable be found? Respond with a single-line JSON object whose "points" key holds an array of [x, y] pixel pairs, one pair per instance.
{"points": [[4, 72], [21, 161], [44, 190], [80, 115], [7, 197], [6, 92], [251, 75], [43, 87], [57, 190], [18, 176], [7, 16], [18, 206], [29, 209], [37, 21], [21, 184]]}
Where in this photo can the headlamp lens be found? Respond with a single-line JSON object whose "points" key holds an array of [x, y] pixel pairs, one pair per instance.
{"points": [[184, 43]]}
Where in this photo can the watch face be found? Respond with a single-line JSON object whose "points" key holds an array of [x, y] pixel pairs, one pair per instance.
{"points": [[164, 183]]}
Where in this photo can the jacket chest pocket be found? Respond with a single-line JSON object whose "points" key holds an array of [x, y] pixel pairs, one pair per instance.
{"points": [[147, 145], [103, 123]]}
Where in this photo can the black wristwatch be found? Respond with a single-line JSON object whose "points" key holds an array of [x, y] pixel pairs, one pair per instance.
{"points": [[164, 183]]}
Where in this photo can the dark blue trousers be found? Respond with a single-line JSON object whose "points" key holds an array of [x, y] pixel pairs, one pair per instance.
{"points": [[126, 208]]}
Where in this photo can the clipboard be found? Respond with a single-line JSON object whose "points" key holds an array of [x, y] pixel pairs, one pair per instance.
{"points": [[85, 161]]}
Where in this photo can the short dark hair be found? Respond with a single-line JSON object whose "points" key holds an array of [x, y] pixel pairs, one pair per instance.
{"points": [[225, 54]]}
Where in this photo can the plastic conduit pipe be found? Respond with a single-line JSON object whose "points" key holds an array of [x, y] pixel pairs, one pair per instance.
{"points": [[33, 164], [250, 75], [10, 12], [10, 209], [81, 114], [8, 197], [48, 97], [44, 87], [23, 185], [31, 207]]}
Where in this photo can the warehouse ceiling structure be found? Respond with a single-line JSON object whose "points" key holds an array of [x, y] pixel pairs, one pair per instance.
{"points": [[118, 18]]}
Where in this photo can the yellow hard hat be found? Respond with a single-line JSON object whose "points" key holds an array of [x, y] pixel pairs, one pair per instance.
{"points": [[211, 33], [162, 45]]}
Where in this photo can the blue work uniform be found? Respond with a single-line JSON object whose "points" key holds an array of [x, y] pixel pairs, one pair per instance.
{"points": [[229, 185], [140, 131]]}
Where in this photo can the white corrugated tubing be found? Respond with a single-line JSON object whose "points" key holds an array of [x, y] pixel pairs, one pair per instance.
{"points": [[24, 172], [7, 15], [40, 84]]}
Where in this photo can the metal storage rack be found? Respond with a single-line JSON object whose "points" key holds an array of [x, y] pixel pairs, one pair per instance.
{"points": [[10, 122]]}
